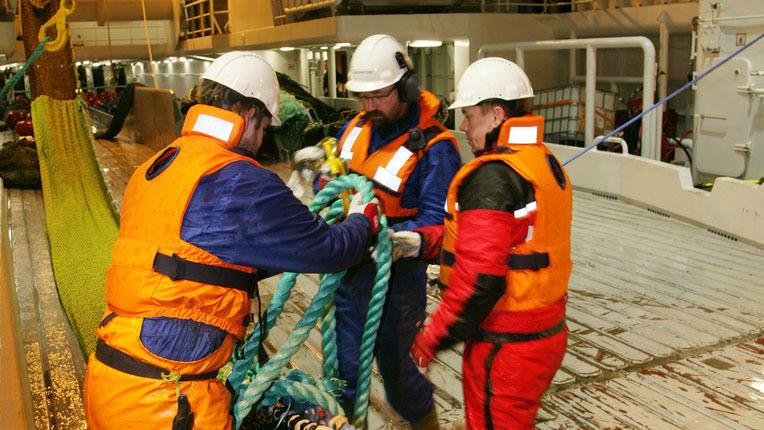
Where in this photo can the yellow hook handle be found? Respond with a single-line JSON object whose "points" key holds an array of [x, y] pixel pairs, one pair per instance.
{"points": [[59, 20], [336, 165]]}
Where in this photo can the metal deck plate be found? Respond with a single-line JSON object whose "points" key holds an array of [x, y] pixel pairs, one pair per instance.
{"points": [[665, 323]]}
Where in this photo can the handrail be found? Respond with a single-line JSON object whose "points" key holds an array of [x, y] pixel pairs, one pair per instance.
{"points": [[613, 139], [304, 6], [591, 46], [540, 7], [202, 15]]}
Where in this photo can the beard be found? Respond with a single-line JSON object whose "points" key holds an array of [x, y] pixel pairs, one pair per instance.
{"points": [[377, 117]]}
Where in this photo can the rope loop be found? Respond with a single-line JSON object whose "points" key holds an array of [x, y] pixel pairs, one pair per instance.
{"points": [[264, 385]]}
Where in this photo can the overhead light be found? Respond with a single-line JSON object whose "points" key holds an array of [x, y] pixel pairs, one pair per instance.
{"points": [[202, 57], [286, 48], [86, 62], [426, 43], [342, 45], [183, 59], [324, 48], [463, 43]]}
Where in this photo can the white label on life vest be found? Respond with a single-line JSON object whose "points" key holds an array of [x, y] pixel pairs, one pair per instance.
{"points": [[387, 179], [522, 135], [398, 160], [212, 126], [347, 146]]}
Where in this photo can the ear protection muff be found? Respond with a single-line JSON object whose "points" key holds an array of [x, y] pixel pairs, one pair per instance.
{"points": [[408, 85]]}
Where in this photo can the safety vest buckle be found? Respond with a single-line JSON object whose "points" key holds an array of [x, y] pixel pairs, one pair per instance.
{"points": [[177, 268]]}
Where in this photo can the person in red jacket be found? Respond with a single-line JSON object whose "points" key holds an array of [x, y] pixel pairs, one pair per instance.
{"points": [[505, 257]]}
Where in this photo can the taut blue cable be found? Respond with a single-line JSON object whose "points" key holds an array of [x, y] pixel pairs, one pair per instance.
{"points": [[664, 100]]}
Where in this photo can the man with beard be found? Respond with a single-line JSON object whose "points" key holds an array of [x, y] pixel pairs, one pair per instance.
{"points": [[411, 157]]}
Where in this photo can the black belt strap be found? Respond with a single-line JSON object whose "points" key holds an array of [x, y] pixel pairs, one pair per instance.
{"points": [[447, 258], [535, 261], [493, 337], [124, 363], [177, 268]]}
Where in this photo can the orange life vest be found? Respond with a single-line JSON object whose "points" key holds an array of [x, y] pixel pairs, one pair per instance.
{"points": [[537, 269], [389, 167], [153, 207]]}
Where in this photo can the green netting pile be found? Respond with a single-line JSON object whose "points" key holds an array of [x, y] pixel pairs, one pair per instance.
{"points": [[81, 221]]}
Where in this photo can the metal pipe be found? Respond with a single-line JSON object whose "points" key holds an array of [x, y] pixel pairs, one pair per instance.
{"points": [[572, 60], [332, 74], [591, 87], [304, 68], [663, 61], [312, 6], [615, 79], [648, 70], [519, 58]]}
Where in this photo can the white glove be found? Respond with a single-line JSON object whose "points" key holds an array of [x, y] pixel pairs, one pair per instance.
{"points": [[310, 155], [406, 244]]}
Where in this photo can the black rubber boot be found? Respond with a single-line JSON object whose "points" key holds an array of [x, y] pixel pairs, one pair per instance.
{"points": [[427, 422]]}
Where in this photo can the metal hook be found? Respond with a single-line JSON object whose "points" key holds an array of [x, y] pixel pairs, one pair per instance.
{"points": [[65, 9]]}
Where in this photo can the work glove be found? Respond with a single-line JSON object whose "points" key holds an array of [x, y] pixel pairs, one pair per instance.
{"points": [[406, 244], [370, 210], [308, 162]]}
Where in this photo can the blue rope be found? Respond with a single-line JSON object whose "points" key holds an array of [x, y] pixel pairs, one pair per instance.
{"points": [[664, 100]]}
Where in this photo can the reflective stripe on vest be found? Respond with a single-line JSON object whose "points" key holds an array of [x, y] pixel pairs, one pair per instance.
{"points": [[391, 166], [538, 269], [152, 215]]}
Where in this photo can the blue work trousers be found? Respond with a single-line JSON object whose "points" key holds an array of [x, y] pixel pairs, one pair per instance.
{"points": [[407, 390]]}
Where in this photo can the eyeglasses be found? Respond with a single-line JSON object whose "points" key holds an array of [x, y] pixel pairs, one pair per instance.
{"points": [[374, 98]]}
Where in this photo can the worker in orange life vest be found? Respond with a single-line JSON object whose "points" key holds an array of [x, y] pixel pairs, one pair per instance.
{"points": [[399, 144], [505, 257], [201, 222]]}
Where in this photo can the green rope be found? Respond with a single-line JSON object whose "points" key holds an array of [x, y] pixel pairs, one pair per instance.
{"points": [[245, 358], [252, 390], [329, 342], [373, 318], [300, 386], [23, 70]]}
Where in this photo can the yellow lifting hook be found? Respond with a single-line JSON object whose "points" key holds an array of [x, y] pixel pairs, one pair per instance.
{"points": [[336, 165], [65, 9]]}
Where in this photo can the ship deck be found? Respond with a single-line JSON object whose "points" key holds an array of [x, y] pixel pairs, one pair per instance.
{"points": [[666, 322]]}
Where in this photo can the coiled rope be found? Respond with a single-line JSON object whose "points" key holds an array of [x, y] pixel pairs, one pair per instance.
{"points": [[253, 385]]}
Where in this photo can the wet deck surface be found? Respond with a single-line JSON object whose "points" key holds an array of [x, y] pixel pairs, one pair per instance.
{"points": [[54, 360], [666, 329], [666, 321]]}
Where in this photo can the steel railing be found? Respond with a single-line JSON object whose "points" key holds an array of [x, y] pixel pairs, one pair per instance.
{"points": [[205, 18], [591, 45]]}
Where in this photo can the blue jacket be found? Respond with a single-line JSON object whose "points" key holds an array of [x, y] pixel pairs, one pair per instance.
{"points": [[245, 215]]}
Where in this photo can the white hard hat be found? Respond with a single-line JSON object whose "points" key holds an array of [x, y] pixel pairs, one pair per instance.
{"points": [[249, 75], [375, 65], [491, 78]]}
